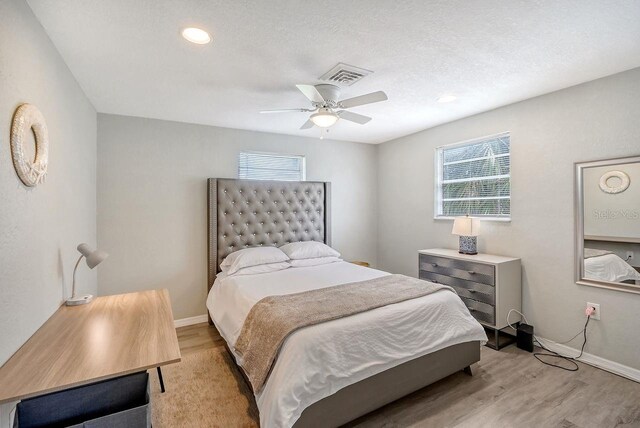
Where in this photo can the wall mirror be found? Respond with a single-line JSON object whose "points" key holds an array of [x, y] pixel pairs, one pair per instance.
{"points": [[608, 223]]}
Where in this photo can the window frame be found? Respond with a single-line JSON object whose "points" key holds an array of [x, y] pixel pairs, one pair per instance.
{"points": [[438, 166], [275, 154]]}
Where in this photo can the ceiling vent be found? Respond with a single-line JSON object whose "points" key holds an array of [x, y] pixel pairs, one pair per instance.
{"points": [[344, 74]]}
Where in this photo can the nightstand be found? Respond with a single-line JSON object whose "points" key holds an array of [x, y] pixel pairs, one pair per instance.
{"points": [[490, 286]]}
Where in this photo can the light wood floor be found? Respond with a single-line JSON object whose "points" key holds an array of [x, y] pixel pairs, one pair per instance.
{"points": [[509, 388]]}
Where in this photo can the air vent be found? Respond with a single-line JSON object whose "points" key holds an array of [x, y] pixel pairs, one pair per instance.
{"points": [[344, 74]]}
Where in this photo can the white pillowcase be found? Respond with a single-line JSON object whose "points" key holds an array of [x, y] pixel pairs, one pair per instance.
{"points": [[269, 267], [308, 250], [254, 256], [316, 261]]}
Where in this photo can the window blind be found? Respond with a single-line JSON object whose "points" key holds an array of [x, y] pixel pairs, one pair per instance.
{"points": [[270, 166], [474, 178]]}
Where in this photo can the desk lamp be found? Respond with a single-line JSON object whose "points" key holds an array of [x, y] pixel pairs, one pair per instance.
{"points": [[94, 258]]}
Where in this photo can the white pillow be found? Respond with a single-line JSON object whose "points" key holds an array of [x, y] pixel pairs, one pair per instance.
{"points": [[308, 250], [248, 257], [316, 261], [269, 267]]}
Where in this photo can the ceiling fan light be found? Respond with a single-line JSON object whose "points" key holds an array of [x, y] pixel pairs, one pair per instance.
{"points": [[324, 118]]}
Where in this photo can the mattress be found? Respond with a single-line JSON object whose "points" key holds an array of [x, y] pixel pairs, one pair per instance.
{"points": [[609, 267], [319, 360]]}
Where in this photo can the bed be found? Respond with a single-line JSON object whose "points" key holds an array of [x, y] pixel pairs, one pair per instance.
{"points": [[330, 373], [603, 265]]}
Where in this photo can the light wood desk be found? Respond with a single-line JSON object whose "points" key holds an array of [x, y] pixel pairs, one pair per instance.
{"points": [[111, 336]]}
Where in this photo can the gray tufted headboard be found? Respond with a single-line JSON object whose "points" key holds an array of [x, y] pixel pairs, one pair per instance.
{"points": [[252, 213]]}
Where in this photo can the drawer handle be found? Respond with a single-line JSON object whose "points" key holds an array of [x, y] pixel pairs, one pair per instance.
{"points": [[434, 264], [472, 291], [471, 272]]}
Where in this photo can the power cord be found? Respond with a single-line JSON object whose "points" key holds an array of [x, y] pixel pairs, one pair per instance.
{"points": [[555, 354]]}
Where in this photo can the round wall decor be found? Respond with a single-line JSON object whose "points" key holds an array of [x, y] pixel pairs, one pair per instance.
{"points": [[27, 118], [619, 188]]}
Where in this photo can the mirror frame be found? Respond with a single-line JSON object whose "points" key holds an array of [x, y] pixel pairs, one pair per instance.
{"points": [[579, 224]]}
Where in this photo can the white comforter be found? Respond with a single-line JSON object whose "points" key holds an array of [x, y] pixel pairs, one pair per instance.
{"points": [[319, 360], [609, 267]]}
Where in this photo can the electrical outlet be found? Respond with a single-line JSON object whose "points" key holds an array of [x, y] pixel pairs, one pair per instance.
{"points": [[629, 255], [596, 315]]}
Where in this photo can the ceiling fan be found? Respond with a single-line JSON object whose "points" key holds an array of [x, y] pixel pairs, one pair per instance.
{"points": [[327, 109]]}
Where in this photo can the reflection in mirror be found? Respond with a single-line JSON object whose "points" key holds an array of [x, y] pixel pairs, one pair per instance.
{"points": [[608, 223]]}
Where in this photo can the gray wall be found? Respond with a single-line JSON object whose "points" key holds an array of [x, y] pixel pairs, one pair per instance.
{"points": [[599, 119], [40, 227], [152, 199]]}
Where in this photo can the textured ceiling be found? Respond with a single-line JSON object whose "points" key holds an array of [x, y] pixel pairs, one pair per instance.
{"points": [[130, 59]]}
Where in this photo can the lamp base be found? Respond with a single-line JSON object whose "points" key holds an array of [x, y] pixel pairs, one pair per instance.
{"points": [[468, 245], [79, 300]]}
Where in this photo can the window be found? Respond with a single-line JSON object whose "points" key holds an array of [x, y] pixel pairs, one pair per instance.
{"points": [[270, 166], [474, 178]]}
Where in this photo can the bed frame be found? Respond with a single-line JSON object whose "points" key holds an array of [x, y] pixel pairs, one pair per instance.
{"points": [[249, 213]]}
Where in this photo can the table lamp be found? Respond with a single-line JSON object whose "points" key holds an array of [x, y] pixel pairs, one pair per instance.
{"points": [[94, 258], [467, 229]]}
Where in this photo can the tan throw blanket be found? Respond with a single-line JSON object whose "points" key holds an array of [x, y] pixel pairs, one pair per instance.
{"points": [[274, 318]]}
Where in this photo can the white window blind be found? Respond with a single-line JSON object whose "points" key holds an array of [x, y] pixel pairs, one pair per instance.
{"points": [[474, 178], [270, 166]]}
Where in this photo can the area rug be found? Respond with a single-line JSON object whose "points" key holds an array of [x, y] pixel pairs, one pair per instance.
{"points": [[205, 389]]}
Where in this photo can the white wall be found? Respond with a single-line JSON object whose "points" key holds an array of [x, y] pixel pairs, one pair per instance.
{"points": [[40, 227], [595, 120], [152, 199]]}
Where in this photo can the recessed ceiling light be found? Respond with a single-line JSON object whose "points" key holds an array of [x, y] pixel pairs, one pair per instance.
{"points": [[447, 98], [196, 35]]}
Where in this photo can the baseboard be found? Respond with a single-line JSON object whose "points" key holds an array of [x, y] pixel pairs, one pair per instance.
{"points": [[593, 360], [191, 321]]}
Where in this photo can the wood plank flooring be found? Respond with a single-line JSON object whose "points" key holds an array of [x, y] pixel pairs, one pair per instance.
{"points": [[509, 388]]}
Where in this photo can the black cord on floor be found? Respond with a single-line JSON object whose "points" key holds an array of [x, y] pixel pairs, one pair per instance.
{"points": [[554, 354]]}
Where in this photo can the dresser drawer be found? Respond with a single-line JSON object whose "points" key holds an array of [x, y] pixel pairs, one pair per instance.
{"points": [[481, 311], [476, 272], [476, 293], [472, 290]]}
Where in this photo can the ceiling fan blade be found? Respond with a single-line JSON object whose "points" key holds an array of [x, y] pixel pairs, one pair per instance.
{"points": [[361, 100], [287, 110], [308, 124], [353, 117], [311, 93]]}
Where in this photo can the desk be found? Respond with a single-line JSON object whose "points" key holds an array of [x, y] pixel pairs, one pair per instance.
{"points": [[109, 337]]}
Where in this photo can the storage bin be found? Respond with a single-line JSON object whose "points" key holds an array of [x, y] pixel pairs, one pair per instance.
{"points": [[120, 402]]}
